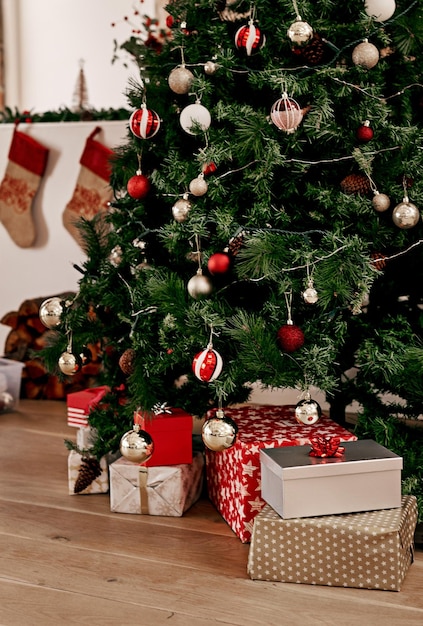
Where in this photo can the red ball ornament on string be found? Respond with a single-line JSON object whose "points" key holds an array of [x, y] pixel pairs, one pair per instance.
{"points": [[365, 132], [249, 39], [138, 186], [207, 365], [209, 168], [290, 337], [219, 263], [144, 123]]}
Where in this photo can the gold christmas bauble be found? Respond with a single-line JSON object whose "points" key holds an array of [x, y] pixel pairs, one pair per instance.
{"points": [[51, 312], [405, 215], [381, 202], [180, 80], [180, 210], [219, 432], [199, 286], [136, 445], [365, 55]]}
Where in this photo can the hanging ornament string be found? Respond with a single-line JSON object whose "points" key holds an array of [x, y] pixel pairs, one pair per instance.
{"points": [[288, 300]]}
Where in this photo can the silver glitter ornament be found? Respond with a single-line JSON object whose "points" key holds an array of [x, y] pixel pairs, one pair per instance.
{"points": [[136, 445], [405, 215], [219, 432], [50, 312], [199, 286], [180, 80], [198, 186], [310, 295], [210, 68], [365, 55], [307, 411]]}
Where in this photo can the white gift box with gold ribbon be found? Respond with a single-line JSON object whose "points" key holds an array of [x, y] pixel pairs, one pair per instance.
{"points": [[167, 490]]}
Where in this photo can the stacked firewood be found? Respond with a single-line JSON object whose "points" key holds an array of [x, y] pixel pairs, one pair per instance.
{"points": [[27, 336]]}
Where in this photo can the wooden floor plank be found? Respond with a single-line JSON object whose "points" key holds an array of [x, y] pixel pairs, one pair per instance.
{"points": [[68, 560]]}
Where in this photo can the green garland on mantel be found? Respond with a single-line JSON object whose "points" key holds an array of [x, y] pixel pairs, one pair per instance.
{"points": [[14, 116]]}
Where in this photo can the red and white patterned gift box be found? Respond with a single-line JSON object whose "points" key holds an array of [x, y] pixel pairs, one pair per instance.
{"points": [[80, 403], [234, 475]]}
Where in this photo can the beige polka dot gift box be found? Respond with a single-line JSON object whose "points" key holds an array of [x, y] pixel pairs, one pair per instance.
{"points": [[370, 550]]}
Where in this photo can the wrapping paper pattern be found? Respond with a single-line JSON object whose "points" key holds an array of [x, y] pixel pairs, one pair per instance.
{"points": [[167, 490], [234, 475], [371, 550], [99, 485]]}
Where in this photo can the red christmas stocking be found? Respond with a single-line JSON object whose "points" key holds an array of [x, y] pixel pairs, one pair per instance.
{"points": [[92, 191], [25, 168]]}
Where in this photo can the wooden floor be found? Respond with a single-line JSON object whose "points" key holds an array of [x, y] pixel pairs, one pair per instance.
{"points": [[67, 559]]}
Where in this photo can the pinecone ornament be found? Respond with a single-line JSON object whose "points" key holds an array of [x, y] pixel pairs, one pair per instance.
{"points": [[126, 361], [313, 51], [356, 184], [89, 470]]}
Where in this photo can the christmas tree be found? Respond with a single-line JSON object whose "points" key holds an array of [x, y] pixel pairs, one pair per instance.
{"points": [[265, 223]]}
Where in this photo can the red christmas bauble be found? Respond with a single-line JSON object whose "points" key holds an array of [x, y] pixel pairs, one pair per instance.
{"points": [[207, 365], [365, 132], [209, 168], [144, 123], [219, 263], [249, 39], [138, 186], [290, 337]]}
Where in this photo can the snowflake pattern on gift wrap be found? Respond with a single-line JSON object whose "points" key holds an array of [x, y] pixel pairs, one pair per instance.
{"points": [[234, 475], [86, 202], [16, 193], [370, 550]]}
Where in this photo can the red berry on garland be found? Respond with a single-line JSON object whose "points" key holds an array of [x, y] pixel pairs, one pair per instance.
{"points": [[138, 186], [365, 132], [219, 263], [290, 337]]}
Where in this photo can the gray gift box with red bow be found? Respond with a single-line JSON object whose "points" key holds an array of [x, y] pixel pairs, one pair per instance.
{"points": [[365, 477]]}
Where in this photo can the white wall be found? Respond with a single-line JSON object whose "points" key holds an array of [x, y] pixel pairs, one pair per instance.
{"points": [[46, 268], [45, 41]]}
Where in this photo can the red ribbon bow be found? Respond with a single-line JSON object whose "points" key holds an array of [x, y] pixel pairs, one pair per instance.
{"points": [[324, 447]]}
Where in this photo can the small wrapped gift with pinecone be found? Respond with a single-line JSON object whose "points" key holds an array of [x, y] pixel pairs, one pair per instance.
{"points": [[87, 474]]}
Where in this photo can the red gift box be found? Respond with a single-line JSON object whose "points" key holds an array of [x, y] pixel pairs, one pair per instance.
{"points": [[234, 475], [171, 432], [80, 403]]}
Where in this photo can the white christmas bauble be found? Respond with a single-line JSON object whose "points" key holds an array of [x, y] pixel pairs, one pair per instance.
{"points": [[365, 55], [198, 186], [195, 117], [380, 10], [199, 286]]}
